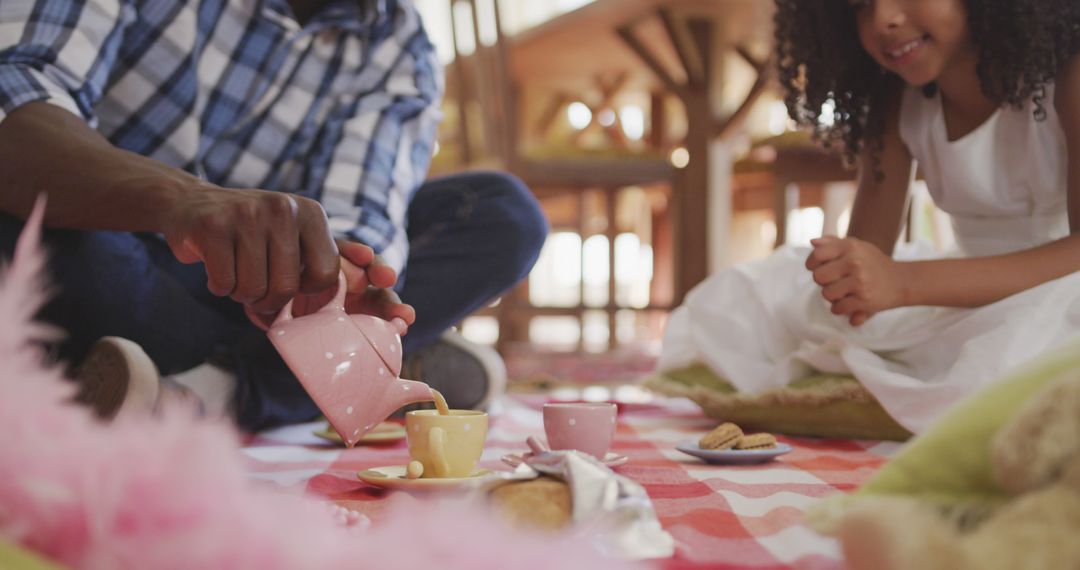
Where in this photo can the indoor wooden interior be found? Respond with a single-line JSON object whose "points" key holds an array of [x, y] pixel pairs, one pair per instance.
{"points": [[505, 101]]}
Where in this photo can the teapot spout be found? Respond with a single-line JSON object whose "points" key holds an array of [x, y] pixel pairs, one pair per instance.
{"points": [[412, 391], [397, 393]]}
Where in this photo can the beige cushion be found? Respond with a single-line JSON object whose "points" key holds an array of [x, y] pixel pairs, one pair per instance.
{"points": [[822, 405]]}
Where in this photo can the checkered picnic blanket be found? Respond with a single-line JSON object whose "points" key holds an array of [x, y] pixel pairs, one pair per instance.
{"points": [[720, 516]]}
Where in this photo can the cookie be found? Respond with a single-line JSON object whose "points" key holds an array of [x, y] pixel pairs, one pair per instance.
{"points": [[539, 504], [724, 436], [756, 441]]}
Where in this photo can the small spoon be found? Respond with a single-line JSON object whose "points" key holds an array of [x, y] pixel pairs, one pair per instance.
{"points": [[536, 445]]}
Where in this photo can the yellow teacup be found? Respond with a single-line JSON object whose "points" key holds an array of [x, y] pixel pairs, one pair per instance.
{"points": [[448, 446]]}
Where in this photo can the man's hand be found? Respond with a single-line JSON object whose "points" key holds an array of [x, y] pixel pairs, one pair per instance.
{"points": [[368, 287], [260, 248], [856, 277]]}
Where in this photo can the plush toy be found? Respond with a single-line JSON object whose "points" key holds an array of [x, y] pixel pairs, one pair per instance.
{"points": [[932, 509]]}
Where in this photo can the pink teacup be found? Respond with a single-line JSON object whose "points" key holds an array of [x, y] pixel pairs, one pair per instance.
{"points": [[586, 427]]}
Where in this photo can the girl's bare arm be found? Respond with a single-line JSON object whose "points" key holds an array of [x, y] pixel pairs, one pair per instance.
{"points": [[881, 201], [979, 281]]}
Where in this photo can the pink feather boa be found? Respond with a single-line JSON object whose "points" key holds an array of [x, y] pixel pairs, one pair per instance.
{"points": [[173, 493]]}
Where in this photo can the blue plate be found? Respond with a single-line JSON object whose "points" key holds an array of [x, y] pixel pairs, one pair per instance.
{"points": [[733, 456]]}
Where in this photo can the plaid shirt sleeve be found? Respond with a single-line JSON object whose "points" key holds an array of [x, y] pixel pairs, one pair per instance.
{"points": [[386, 144], [59, 51]]}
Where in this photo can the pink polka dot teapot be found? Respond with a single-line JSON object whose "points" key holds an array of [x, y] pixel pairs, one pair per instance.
{"points": [[350, 365]]}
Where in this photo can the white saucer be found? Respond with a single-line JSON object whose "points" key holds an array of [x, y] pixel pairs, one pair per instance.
{"points": [[393, 477], [612, 459], [733, 456], [386, 432]]}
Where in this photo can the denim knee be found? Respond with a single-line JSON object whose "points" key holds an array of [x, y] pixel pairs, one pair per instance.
{"points": [[526, 225]]}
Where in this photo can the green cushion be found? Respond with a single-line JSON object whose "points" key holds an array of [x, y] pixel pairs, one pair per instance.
{"points": [[950, 462], [949, 465], [822, 405]]}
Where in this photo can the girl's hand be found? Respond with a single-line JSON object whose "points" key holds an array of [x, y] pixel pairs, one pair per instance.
{"points": [[856, 277]]}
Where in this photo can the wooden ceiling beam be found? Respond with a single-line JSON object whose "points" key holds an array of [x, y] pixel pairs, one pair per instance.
{"points": [[689, 58], [649, 59]]}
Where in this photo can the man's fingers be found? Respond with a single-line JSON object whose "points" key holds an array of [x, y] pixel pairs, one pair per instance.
{"points": [[378, 273], [220, 261], [251, 265], [307, 304], [357, 253], [382, 303], [356, 279], [186, 251], [284, 272], [391, 307], [321, 261], [278, 217], [381, 275], [403, 311]]}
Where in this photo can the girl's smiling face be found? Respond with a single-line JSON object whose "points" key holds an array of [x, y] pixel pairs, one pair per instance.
{"points": [[919, 40]]}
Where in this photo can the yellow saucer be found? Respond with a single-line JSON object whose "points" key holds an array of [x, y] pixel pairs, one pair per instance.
{"points": [[393, 477], [385, 432]]}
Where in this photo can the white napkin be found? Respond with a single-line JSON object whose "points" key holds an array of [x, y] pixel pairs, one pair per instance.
{"points": [[614, 512]]}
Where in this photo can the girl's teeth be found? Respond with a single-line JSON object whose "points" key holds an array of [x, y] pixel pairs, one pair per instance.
{"points": [[905, 49]]}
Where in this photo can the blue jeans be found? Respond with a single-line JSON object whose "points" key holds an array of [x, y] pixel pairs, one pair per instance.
{"points": [[472, 236]]}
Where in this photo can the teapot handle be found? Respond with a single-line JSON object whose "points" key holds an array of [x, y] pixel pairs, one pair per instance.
{"points": [[336, 305]]}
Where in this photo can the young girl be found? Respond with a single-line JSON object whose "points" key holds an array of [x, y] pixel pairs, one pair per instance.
{"points": [[982, 95]]}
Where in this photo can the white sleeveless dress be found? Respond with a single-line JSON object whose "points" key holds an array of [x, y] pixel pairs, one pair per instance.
{"points": [[764, 324]]}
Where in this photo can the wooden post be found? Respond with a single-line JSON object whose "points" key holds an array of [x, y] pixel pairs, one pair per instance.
{"points": [[508, 95], [692, 197], [462, 93], [693, 41], [582, 217], [781, 208], [657, 120], [611, 201], [662, 289], [691, 185], [513, 322], [485, 88]]}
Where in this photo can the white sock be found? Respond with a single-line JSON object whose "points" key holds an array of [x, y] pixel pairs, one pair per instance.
{"points": [[213, 385]]}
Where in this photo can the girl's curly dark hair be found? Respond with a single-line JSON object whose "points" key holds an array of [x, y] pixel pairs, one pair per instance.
{"points": [[1022, 46]]}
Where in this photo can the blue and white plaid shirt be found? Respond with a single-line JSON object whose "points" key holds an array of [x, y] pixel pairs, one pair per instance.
{"points": [[343, 109]]}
